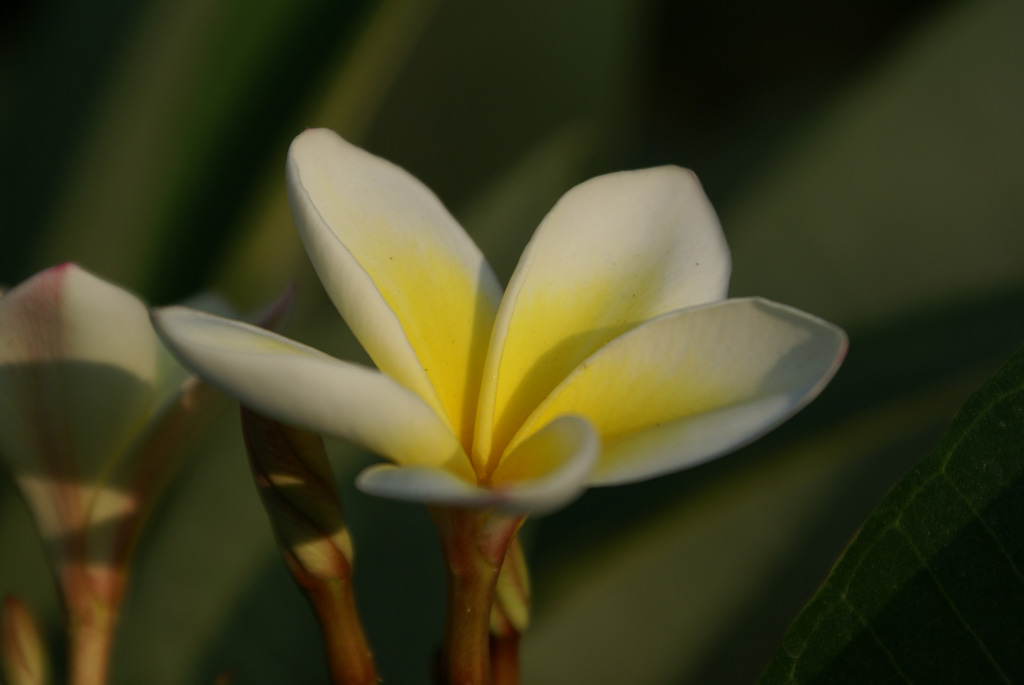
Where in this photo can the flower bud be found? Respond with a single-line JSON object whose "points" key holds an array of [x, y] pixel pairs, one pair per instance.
{"points": [[511, 611], [296, 485]]}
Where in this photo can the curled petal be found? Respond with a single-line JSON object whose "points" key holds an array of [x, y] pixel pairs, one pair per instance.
{"points": [[303, 387], [423, 484], [614, 252], [550, 467], [691, 385], [412, 286], [543, 473]]}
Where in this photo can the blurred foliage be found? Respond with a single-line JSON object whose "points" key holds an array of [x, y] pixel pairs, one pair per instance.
{"points": [[864, 158]]}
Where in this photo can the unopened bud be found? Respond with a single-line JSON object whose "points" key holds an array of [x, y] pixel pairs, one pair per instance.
{"points": [[296, 485], [511, 610]]}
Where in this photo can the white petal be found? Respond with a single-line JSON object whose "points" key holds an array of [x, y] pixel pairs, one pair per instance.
{"points": [[614, 252], [546, 472], [174, 379], [303, 387], [691, 385], [412, 286], [422, 484]]}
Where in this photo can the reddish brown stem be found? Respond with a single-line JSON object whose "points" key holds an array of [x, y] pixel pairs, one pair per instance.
{"points": [[91, 634], [505, 659], [93, 603], [474, 544], [349, 659]]}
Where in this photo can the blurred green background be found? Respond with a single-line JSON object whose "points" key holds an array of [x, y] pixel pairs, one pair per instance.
{"points": [[866, 161]]}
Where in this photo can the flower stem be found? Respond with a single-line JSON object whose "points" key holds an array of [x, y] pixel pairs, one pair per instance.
{"points": [[474, 544], [505, 659], [349, 659], [467, 652], [91, 623]]}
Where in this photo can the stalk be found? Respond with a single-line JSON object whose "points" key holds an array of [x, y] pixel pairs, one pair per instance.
{"points": [[349, 658], [474, 544], [93, 604]]}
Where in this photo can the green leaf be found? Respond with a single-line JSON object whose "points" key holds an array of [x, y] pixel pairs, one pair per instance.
{"points": [[931, 588]]}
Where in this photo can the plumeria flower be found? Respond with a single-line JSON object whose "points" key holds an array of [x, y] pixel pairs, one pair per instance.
{"points": [[612, 356]]}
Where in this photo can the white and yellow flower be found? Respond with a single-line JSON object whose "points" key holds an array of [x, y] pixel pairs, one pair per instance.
{"points": [[613, 355]]}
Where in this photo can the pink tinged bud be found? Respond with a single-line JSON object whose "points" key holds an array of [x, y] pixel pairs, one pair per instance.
{"points": [[78, 363]]}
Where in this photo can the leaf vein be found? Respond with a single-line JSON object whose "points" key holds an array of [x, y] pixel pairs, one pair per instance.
{"points": [[952, 605], [877, 639]]}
